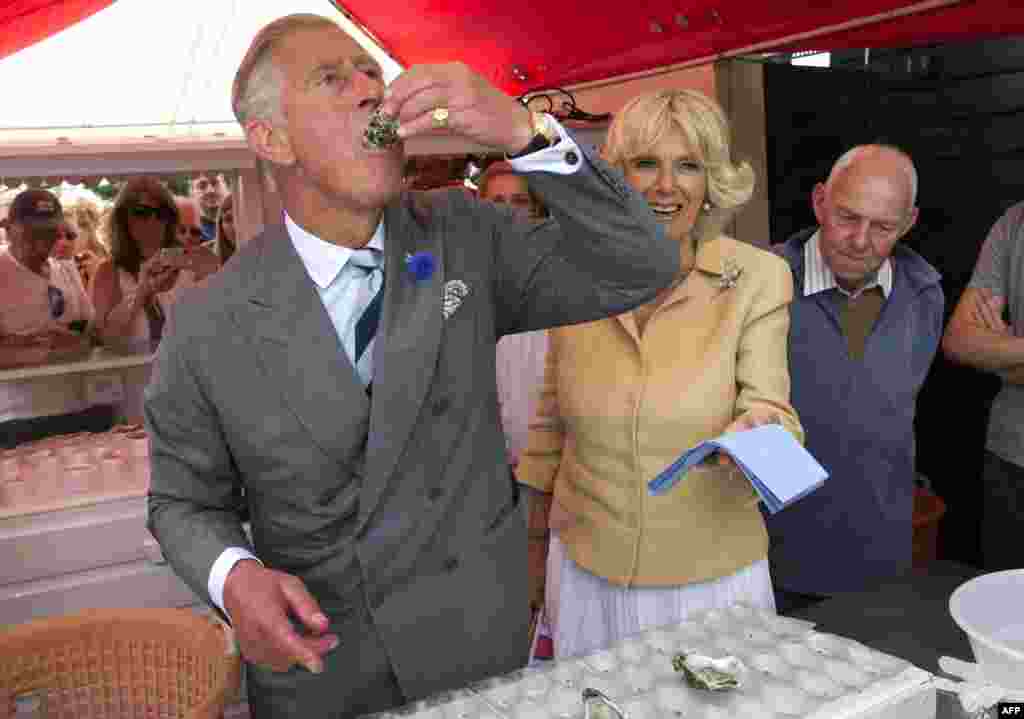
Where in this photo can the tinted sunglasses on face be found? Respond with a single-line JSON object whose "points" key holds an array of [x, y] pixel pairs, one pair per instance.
{"points": [[41, 233], [145, 212]]}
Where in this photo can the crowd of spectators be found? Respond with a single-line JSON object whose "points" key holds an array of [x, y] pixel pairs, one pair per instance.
{"points": [[78, 274]]}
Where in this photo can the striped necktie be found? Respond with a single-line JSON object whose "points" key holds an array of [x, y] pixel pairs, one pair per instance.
{"points": [[368, 304]]}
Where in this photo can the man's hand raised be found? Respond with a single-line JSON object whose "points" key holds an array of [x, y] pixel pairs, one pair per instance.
{"points": [[262, 604], [476, 109]]}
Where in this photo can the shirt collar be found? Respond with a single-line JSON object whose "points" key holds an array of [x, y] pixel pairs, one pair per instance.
{"points": [[818, 276], [324, 261]]}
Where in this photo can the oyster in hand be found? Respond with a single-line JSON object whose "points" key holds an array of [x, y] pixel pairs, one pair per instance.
{"points": [[382, 132]]}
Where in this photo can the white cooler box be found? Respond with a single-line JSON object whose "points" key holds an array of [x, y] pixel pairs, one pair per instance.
{"points": [[96, 555]]}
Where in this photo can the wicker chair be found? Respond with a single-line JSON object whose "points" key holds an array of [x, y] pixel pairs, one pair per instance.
{"points": [[109, 664]]}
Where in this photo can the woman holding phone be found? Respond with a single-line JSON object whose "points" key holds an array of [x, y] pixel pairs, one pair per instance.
{"points": [[129, 289]]}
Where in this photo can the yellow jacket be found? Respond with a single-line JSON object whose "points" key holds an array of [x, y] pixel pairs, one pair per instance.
{"points": [[616, 408]]}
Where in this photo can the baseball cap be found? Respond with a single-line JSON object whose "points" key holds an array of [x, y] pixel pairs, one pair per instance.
{"points": [[35, 207]]}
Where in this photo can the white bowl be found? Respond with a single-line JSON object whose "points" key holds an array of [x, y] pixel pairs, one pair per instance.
{"points": [[990, 610]]}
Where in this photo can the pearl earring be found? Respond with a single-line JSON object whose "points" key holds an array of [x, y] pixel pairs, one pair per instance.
{"points": [[706, 206]]}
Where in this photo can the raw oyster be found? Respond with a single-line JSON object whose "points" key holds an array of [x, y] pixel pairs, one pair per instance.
{"points": [[382, 131]]}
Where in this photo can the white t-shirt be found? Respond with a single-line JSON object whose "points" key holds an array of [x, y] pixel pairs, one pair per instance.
{"points": [[25, 309]]}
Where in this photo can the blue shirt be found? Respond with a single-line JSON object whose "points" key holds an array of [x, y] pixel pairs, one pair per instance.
{"points": [[338, 282]]}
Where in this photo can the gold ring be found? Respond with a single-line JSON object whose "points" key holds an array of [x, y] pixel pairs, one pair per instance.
{"points": [[440, 117]]}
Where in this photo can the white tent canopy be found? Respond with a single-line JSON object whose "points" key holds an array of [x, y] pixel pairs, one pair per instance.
{"points": [[163, 67], [143, 87], [139, 87]]}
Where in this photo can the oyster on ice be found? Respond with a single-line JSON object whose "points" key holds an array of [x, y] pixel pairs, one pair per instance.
{"points": [[706, 673]]}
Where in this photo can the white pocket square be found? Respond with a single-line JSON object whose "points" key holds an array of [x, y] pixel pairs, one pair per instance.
{"points": [[451, 299]]}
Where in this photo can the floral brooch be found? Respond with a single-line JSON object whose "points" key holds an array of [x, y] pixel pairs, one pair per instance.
{"points": [[731, 273]]}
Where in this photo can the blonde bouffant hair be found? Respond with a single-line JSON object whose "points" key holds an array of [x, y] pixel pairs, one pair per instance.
{"points": [[646, 119]]}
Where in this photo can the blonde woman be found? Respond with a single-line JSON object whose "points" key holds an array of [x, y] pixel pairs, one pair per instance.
{"points": [[88, 250], [624, 396]]}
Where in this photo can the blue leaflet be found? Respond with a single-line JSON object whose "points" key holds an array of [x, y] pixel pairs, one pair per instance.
{"points": [[777, 466]]}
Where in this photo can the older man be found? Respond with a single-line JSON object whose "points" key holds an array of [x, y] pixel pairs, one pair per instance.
{"points": [[864, 330], [44, 312], [341, 370], [987, 332]]}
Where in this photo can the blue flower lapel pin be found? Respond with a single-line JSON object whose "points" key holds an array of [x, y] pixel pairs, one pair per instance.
{"points": [[454, 292], [420, 266]]}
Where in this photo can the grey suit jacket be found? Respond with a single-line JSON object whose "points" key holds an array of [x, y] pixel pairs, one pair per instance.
{"points": [[251, 388]]}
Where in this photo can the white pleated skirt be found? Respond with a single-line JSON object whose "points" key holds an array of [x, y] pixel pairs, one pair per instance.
{"points": [[585, 612]]}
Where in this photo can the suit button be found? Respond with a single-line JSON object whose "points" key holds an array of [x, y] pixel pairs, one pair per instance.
{"points": [[434, 494], [441, 406], [451, 564], [571, 157]]}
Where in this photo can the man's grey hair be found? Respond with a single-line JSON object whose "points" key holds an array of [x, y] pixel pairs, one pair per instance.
{"points": [[256, 91], [848, 157]]}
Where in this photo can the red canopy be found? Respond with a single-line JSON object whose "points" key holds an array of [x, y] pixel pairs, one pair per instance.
{"points": [[525, 44], [26, 22]]}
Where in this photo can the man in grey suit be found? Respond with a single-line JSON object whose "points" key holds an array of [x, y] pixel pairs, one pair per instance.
{"points": [[388, 553]]}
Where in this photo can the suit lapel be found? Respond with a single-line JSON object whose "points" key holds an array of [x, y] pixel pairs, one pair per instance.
{"points": [[703, 283], [628, 322], [300, 349], [405, 356]]}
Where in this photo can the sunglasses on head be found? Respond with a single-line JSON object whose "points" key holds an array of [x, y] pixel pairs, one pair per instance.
{"points": [[145, 212]]}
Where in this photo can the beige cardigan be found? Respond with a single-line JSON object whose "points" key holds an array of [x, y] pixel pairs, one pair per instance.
{"points": [[617, 408]]}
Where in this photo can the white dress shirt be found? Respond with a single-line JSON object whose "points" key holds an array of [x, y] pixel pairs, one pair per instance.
{"points": [[818, 276], [328, 267]]}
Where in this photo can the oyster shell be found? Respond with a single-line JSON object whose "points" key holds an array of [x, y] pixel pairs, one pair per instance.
{"points": [[382, 131]]}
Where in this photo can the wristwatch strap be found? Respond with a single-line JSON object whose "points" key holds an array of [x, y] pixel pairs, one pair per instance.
{"points": [[544, 135]]}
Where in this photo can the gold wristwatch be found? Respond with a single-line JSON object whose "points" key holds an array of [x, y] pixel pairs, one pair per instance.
{"points": [[545, 134]]}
